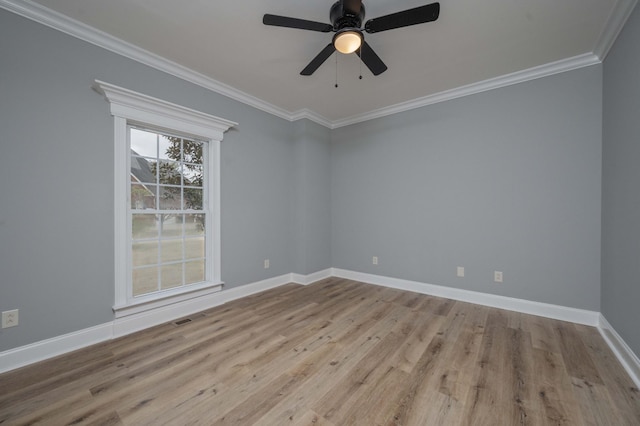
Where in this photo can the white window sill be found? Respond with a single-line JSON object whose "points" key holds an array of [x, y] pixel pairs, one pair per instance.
{"points": [[166, 298]]}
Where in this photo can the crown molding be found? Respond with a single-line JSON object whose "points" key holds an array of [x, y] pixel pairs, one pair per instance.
{"points": [[60, 22], [313, 116], [74, 28], [616, 20], [482, 86]]}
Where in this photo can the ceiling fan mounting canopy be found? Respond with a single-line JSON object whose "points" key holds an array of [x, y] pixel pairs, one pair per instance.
{"points": [[345, 15], [346, 21]]}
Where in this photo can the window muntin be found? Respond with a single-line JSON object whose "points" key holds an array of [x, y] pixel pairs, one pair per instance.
{"points": [[168, 211]]}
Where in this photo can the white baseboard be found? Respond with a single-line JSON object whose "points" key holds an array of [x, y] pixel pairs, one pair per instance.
{"points": [[563, 313], [49, 348], [311, 278], [621, 350], [45, 349]]}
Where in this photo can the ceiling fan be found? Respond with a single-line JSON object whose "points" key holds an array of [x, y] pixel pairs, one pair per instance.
{"points": [[346, 20]]}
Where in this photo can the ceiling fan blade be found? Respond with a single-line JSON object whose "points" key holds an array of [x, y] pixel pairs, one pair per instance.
{"points": [[371, 59], [418, 15], [352, 6], [318, 60], [302, 24]]}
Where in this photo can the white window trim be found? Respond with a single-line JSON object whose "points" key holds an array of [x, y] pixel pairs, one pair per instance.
{"points": [[129, 107]]}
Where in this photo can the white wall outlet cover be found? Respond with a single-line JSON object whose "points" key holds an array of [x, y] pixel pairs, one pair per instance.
{"points": [[460, 271], [10, 318]]}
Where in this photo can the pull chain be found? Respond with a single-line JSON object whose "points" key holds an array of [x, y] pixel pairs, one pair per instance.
{"points": [[336, 69], [360, 62]]}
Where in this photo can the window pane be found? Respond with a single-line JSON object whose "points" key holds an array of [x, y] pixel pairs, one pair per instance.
{"points": [[170, 198], [169, 148], [193, 175], [192, 151], [170, 173], [143, 170], [145, 280], [194, 224], [171, 250], [171, 276], [194, 248], [144, 143], [171, 225], [193, 198], [194, 272], [145, 253], [143, 196], [144, 226]]}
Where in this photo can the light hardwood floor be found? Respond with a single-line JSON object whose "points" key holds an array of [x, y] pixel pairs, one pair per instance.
{"points": [[337, 352]]}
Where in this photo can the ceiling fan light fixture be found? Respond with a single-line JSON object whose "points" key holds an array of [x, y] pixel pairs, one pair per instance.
{"points": [[347, 41]]}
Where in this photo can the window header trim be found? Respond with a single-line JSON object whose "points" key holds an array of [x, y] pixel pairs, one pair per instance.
{"points": [[139, 108]]}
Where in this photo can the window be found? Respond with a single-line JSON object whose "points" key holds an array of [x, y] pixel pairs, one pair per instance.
{"points": [[167, 209], [168, 212]]}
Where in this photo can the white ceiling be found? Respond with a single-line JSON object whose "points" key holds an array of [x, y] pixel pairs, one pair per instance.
{"points": [[472, 41]]}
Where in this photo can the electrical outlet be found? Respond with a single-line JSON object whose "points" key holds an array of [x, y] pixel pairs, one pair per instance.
{"points": [[497, 276], [375, 260], [460, 271], [266, 264], [10, 318]]}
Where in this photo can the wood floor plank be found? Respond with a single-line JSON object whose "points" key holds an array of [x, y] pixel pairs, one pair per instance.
{"points": [[20, 401], [333, 353], [595, 404], [260, 402], [576, 357], [484, 402], [377, 401], [310, 418], [443, 385], [336, 401], [418, 338], [525, 405], [624, 393], [352, 331], [407, 408], [457, 365], [555, 389], [443, 410], [44, 413], [253, 407], [436, 305], [543, 335], [348, 351]]}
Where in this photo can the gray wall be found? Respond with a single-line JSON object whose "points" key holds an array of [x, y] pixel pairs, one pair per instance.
{"points": [[56, 180], [621, 185], [312, 203], [506, 180]]}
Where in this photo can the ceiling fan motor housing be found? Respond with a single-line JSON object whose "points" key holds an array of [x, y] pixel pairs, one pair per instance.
{"points": [[343, 18]]}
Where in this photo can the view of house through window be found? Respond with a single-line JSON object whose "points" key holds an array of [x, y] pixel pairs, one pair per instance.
{"points": [[167, 214]]}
